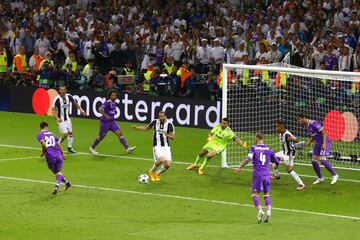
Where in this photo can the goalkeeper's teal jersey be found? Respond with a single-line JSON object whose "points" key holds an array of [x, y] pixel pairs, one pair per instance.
{"points": [[222, 137]]}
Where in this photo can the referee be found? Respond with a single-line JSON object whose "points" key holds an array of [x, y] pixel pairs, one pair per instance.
{"points": [[61, 111]]}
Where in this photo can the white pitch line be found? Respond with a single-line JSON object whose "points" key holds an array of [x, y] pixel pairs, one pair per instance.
{"points": [[185, 198], [150, 159], [18, 158]]}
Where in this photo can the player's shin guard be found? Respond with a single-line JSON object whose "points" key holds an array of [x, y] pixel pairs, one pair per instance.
{"points": [[204, 164], [64, 180], [123, 142], [267, 202], [197, 160], [256, 202], [58, 178], [316, 167], [154, 167], [328, 166], [70, 141], [296, 177], [162, 169], [95, 143]]}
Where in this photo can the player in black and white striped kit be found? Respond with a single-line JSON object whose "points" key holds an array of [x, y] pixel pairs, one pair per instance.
{"points": [[287, 154], [163, 132], [61, 112]]}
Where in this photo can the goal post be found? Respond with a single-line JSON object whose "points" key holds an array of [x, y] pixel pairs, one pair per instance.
{"points": [[255, 97]]}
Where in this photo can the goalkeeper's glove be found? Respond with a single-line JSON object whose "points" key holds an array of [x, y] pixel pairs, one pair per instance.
{"points": [[300, 145]]}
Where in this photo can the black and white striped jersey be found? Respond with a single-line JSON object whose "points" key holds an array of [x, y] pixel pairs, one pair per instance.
{"points": [[159, 139], [62, 106], [287, 146]]}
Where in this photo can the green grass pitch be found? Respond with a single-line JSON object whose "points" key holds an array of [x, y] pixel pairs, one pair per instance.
{"points": [[107, 202]]}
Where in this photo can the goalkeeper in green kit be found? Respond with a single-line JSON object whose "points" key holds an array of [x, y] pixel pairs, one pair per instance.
{"points": [[218, 140]]}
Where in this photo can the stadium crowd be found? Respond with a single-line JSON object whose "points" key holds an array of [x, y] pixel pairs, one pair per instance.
{"points": [[170, 47]]}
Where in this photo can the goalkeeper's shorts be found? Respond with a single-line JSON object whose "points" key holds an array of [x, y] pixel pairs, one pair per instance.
{"points": [[214, 146]]}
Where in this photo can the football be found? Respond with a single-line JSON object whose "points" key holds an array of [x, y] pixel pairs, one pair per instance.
{"points": [[143, 178]]}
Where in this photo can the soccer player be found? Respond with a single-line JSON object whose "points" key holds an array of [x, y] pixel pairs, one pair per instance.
{"points": [[321, 148], [218, 139], [108, 123], [287, 154], [52, 150], [261, 156], [61, 111], [163, 131]]}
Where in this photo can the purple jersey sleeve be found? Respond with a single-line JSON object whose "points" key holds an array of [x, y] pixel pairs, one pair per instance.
{"points": [[40, 137], [250, 156], [273, 158], [109, 108], [104, 105]]}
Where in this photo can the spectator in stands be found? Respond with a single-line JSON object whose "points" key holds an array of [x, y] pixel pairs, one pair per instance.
{"points": [[177, 47], [168, 64], [190, 84], [3, 64], [29, 43], [262, 53], [355, 60], [212, 86], [35, 60], [229, 53], [48, 60], [273, 55], [87, 73], [72, 61], [318, 56], [160, 54], [204, 56], [217, 55], [299, 56], [20, 65], [154, 81], [96, 81], [174, 82], [344, 59], [330, 59], [240, 53], [43, 44]]}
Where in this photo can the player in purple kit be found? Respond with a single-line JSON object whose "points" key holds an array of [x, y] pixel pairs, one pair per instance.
{"points": [[51, 149], [108, 123], [321, 148], [261, 156]]}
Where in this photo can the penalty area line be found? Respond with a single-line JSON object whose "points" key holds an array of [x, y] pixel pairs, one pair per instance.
{"points": [[18, 158], [184, 198]]}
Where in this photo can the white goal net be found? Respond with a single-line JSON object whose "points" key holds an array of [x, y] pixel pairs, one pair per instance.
{"points": [[255, 97]]}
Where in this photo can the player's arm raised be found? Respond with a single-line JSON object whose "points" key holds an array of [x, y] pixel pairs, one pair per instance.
{"points": [[141, 128]]}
